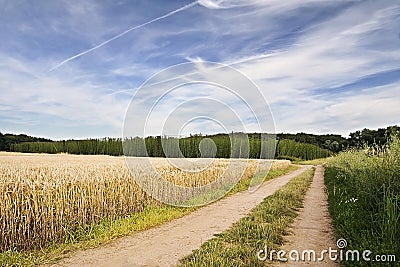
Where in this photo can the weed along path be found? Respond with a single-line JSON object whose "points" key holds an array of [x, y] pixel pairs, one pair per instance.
{"points": [[166, 244], [313, 230]]}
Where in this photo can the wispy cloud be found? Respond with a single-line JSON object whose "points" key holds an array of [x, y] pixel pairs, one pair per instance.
{"points": [[321, 65], [225, 4], [123, 33]]}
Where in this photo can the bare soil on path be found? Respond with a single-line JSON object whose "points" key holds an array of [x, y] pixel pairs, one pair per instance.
{"points": [[313, 227], [166, 244]]}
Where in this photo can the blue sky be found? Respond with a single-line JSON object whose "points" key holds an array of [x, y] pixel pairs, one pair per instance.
{"points": [[70, 70]]}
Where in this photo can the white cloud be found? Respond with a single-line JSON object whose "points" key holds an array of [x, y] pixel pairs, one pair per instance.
{"points": [[226, 4], [199, 89], [296, 78], [212, 4], [333, 54], [65, 99], [122, 34]]}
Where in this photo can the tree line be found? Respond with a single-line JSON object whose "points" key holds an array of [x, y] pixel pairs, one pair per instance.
{"points": [[104, 146], [379, 137], [220, 146], [336, 143], [300, 145], [7, 140]]}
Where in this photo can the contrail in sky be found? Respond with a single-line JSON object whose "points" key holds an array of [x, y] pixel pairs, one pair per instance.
{"points": [[123, 33]]}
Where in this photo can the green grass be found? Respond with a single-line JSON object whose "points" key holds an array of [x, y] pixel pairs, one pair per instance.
{"points": [[265, 226], [315, 162], [242, 185], [364, 200], [97, 234]]}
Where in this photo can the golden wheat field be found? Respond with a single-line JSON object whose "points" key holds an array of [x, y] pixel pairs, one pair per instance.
{"points": [[44, 196]]}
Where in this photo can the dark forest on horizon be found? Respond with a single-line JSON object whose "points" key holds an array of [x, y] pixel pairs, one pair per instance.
{"points": [[334, 142], [291, 146]]}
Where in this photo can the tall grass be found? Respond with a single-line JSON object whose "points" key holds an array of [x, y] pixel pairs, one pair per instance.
{"points": [[364, 197]]}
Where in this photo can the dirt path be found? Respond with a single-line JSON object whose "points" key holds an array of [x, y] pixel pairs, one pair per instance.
{"points": [[313, 227], [166, 244]]}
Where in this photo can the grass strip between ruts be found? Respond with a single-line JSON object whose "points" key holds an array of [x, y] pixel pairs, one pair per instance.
{"points": [[265, 226]]}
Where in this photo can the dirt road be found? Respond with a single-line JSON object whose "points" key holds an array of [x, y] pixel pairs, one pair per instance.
{"points": [[166, 244], [312, 229]]}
